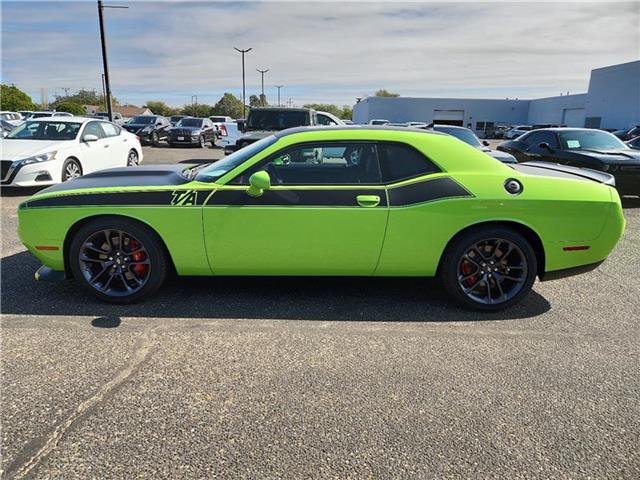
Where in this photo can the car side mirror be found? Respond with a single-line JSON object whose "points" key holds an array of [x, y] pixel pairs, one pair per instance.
{"points": [[158, 124], [89, 137], [546, 146], [4, 133], [485, 143], [258, 183]]}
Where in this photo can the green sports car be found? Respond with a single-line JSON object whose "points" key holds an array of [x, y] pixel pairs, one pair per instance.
{"points": [[353, 201]]}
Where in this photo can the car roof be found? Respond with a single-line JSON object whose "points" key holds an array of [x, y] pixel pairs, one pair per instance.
{"points": [[67, 119], [566, 129], [351, 128]]}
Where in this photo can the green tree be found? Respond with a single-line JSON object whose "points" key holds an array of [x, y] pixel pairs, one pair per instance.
{"points": [[340, 112], [254, 101], [386, 93], [346, 113], [161, 108], [228, 105], [86, 97], [69, 107], [196, 110], [14, 99]]}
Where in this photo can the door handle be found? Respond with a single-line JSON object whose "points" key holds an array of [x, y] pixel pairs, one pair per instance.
{"points": [[106, 146], [368, 200]]}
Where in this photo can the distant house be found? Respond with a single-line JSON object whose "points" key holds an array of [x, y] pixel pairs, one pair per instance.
{"points": [[127, 111]]}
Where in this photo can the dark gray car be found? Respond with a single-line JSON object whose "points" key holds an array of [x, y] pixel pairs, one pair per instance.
{"points": [[467, 136]]}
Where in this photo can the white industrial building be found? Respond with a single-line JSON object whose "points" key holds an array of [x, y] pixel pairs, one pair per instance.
{"points": [[612, 102]]}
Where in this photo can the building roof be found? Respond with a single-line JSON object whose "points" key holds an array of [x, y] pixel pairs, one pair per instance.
{"points": [[131, 110]]}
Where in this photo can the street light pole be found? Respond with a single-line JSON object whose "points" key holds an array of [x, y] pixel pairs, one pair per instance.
{"points": [[244, 91], [103, 41], [262, 72], [279, 87]]}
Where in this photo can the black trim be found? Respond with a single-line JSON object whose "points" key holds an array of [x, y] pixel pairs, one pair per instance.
{"points": [[306, 198], [158, 198], [569, 272], [426, 191]]}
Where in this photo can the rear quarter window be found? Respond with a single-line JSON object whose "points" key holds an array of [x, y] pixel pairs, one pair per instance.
{"points": [[399, 162]]}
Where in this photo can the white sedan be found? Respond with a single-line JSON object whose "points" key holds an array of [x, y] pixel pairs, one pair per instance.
{"points": [[46, 151]]}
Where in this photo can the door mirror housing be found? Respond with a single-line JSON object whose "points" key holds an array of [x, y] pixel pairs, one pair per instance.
{"points": [[258, 183], [546, 146], [485, 143], [89, 137]]}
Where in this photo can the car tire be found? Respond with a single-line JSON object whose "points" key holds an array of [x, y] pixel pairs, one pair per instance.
{"points": [[155, 140], [123, 273], [488, 269], [132, 158], [71, 169]]}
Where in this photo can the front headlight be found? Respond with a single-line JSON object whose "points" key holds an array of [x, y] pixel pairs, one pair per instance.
{"points": [[147, 129], [44, 157], [195, 133]]}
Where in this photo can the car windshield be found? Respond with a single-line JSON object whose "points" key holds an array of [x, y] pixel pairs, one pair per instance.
{"points": [[218, 119], [41, 114], [175, 118], [46, 131], [467, 136], [190, 122], [276, 119], [216, 170], [143, 120], [590, 139]]}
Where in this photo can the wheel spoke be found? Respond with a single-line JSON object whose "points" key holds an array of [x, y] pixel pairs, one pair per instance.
{"points": [[84, 258], [99, 274]]}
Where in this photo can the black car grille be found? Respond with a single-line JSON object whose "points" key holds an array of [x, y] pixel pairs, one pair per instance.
{"points": [[182, 133], [133, 129], [4, 168]]}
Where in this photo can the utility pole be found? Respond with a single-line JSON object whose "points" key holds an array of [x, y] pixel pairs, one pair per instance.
{"points": [[262, 72], [194, 102], [103, 41], [104, 93], [244, 90], [279, 87]]}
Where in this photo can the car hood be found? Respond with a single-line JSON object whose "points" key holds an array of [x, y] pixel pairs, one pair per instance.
{"points": [[19, 149], [141, 176], [504, 157], [257, 134], [612, 156], [137, 126], [188, 129]]}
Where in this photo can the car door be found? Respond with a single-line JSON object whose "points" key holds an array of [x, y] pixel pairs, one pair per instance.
{"points": [[325, 214], [119, 145], [94, 155]]}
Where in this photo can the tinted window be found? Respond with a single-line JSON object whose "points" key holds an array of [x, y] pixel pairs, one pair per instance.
{"points": [[533, 139], [326, 163], [467, 136], [399, 162], [93, 128], [190, 122], [143, 120], [218, 119], [276, 119], [325, 120], [593, 139], [110, 130]]}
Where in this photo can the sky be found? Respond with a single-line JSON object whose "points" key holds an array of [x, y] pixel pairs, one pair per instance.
{"points": [[322, 52]]}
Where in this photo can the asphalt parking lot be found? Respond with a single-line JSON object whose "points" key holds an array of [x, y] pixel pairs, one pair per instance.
{"points": [[317, 378]]}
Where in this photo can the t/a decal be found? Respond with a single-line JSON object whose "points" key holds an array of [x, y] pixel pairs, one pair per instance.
{"points": [[182, 198]]}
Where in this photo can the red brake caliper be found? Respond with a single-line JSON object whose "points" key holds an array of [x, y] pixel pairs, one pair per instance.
{"points": [[140, 269], [467, 269]]}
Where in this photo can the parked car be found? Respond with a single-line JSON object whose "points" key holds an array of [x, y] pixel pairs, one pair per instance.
{"points": [[53, 150], [218, 121], [515, 132], [581, 147], [634, 143], [470, 138], [176, 118], [117, 117], [627, 134], [192, 131], [500, 130], [264, 121], [228, 135], [341, 201], [150, 128], [6, 127], [13, 118], [45, 114], [378, 121]]}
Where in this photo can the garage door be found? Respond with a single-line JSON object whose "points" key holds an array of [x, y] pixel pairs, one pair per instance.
{"points": [[449, 117], [573, 117]]}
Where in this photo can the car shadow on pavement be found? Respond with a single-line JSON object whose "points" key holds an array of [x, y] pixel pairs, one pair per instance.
{"points": [[197, 161], [629, 202], [283, 298]]}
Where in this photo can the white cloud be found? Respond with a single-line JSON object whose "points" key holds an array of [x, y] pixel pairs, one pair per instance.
{"points": [[321, 51]]}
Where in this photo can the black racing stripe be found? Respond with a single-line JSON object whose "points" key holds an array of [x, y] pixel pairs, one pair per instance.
{"points": [[151, 198], [307, 198], [420, 192]]}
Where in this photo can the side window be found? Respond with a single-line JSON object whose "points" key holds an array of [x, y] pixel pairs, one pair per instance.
{"points": [[400, 162], [550, 138], [326, 163], [93, 128], [325, 120], [110, 130], [534, 139]]}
